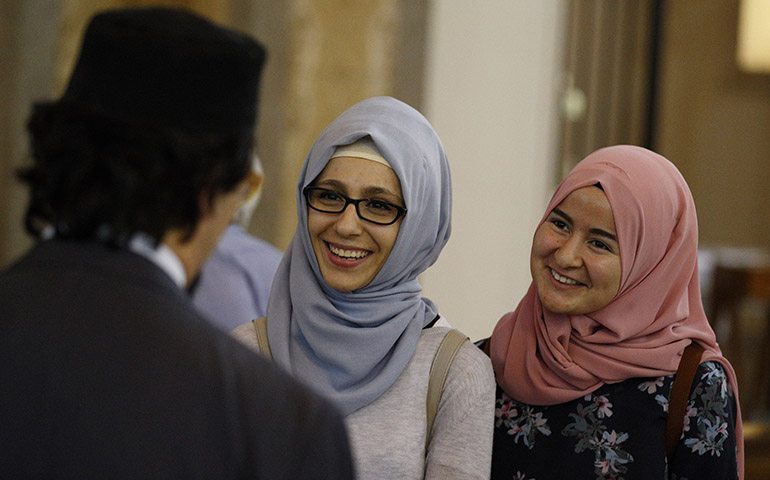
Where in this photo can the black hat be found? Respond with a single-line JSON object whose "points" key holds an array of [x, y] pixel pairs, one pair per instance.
{"points": [[167, 68]]}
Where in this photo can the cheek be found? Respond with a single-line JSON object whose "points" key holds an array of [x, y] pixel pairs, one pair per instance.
{"points": [[542, 244], [387, 236], [316, 224], [389, 241], [385, 240], [609, 273], [315, 227], [615, 277]]}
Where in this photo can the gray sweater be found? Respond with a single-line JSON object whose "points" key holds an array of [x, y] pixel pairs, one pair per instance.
{"points": [[387, 436]]}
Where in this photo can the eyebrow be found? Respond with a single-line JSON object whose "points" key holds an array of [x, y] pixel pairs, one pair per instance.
{"points": [[595, 231], [368, 191]]}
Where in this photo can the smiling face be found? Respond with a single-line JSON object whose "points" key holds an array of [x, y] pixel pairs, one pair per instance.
{"points": [[575, 260], [351, 251]]}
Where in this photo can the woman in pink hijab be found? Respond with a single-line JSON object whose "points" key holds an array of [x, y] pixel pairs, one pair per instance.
{"points": [[586, 362]]}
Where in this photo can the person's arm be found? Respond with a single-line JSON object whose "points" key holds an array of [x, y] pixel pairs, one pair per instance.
{"points": [[706, 449], [461, 441]]}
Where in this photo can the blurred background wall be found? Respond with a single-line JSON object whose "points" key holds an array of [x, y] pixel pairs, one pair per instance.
{"points": [[488, 77], [519, 91]]}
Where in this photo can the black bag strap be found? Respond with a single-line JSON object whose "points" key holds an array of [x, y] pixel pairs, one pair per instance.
{"points": [[680, 391]]}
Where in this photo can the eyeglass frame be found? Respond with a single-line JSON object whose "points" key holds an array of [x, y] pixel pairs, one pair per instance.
{"points": [[400, 211]]}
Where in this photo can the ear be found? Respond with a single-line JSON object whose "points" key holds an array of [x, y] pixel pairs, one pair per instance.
{"points": [[205, 204], [254, 180]]}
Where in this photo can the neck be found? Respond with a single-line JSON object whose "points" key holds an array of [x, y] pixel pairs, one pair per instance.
{"points": [[187, 252]]}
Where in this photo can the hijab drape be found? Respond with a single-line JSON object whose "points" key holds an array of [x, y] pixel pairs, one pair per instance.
{"points": [[351, 347], [544, 358]]}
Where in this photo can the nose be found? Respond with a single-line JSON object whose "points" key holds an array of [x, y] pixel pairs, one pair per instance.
{"points": [[569, 253], [348, 223]]}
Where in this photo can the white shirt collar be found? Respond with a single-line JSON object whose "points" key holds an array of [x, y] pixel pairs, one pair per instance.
{"points": [[162, 256]]}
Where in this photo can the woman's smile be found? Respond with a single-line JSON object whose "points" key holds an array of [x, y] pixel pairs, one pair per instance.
{"points": [[346, 255], [564, 280]]}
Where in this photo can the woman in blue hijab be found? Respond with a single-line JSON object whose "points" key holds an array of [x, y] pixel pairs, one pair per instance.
{"points": [[346, 314]]}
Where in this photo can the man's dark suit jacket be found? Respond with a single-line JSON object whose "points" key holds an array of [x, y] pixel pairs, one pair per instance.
{"points": [[107, 371]]}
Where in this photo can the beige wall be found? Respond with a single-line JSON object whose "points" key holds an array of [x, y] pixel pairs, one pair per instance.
{"points": [[487, 76], [38, 43], [28, 39], [493, 76], [322, 58]]}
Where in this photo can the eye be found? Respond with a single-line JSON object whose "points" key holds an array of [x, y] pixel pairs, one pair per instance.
{"points": [[379, 207], [599, 244], [329, 195], [559, 223]]}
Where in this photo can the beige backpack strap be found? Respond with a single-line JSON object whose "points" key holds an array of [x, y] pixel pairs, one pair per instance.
{"points": [[439, 370], [260, 325]]}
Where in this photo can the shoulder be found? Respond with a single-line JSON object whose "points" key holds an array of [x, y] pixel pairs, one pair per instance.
{"points": [[431, 338], [239, 244], [711, 379], [470, 367]]}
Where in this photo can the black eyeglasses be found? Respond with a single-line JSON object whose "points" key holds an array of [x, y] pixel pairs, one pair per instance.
{"points": [[370, 209]]}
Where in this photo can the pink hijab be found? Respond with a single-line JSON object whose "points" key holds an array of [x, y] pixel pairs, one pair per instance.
{"points": [[543, 358]]}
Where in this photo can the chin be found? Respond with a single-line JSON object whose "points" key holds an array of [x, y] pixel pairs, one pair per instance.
{"points": [[341, 285]]}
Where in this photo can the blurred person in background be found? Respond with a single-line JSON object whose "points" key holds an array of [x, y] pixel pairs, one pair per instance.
{"points": [[234, 283]]}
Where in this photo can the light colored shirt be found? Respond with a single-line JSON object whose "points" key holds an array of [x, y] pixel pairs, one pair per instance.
{"points": [[387, 436], [162, 256], [235, 281]]}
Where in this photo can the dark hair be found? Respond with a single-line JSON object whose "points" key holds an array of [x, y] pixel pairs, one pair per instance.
{"points": [[95, 178]]}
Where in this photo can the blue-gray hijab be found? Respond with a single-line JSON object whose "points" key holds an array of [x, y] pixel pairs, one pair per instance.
{"points": [[351, 347]]}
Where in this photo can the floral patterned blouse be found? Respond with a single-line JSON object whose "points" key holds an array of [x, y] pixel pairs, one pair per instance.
{"points": [[617, 432]]}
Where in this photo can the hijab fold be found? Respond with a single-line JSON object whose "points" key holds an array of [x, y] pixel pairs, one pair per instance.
{"points": [[544, 358], [351, 347]]}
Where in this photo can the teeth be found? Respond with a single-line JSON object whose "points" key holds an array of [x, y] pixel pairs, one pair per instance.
{"points": [[561, 279], [348, 253]]}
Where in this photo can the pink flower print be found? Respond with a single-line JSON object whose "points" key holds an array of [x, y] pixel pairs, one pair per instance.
{"points": [[540, 424], [652, 385], [505, 411], [515, 428], [613, 438], [604, 465], [697, 445], [605, 407], [690, 412], [721, 430]]}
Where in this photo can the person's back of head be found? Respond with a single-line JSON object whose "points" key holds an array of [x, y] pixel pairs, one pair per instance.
{"points": [[159, 114]]}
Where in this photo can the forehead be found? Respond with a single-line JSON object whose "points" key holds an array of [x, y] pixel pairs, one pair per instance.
{"points": [[589, 205], [357, 173]]}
